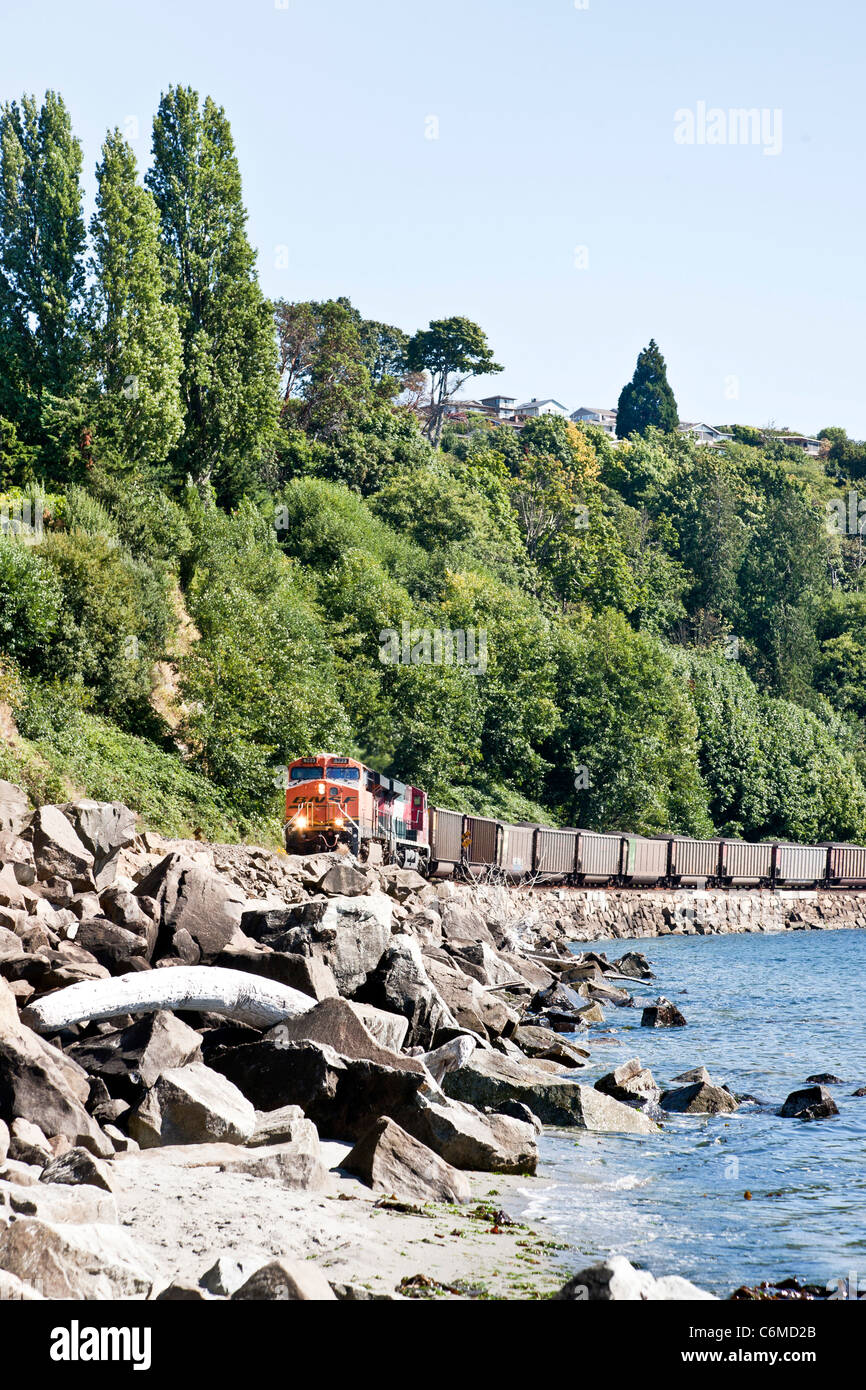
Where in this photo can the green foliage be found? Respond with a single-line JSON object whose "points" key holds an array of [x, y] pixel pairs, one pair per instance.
{"points": [[451, 351], [229, 359], [30, 600], [647, 401], [135, 353]]}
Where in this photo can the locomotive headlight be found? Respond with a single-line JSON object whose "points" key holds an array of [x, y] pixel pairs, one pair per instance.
{"points": [[338, 820], [321, 789], [301, 819]]}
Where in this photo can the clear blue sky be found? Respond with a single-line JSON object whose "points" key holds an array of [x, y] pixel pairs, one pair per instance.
{"points": [[555, 131]]}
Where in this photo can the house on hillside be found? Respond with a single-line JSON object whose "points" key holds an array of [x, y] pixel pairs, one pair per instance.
{"points": [[810, 446], [503, 407], [703, 434], [593, 415], [535, 407]]}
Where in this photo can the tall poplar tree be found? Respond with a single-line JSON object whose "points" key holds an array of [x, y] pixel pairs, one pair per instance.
{"points": [[42, 240], [647, 400], [229, 378], [136, 356]]}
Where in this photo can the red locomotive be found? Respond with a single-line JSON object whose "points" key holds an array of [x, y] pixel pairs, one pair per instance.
{"points": [[333, 801]]}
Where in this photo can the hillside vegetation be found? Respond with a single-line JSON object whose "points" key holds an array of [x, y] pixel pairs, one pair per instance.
{"points": [[216, 509]]}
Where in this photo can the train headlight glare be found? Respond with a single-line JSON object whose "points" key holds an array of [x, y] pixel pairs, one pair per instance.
{"points": [[321, 789], [301, 820], [338, 820]]}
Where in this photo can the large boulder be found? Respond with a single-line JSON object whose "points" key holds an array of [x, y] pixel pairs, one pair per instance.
{"points": [[309, 974], [471, 1005], [296, 1164], [545, 1043], [129, 1060], [14, 808], [699, 1098], [18, 853], [349, 934], [662, 1014], [615, 1280], [58, 851], [338, 1023], [115, 948], [283, 1280], [120, 906], [401, 985], [341, 1095], [194, 904], [388, 1159], [467, 1139], [105, 828], [488, 1079], [76, 1261], [77, 1167], [631, 1083], [56, 1203], [192, 1105], [810, 1103], [39, 1083]]}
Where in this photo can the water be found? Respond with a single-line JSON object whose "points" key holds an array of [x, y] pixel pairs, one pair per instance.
{"points": [[763, 1013]]}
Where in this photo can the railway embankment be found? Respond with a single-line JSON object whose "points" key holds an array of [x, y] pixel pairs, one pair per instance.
{"points": [[230, 1073]]}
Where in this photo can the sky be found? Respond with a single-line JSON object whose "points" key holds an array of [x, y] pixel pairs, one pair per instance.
{"points": [[564, 172]]}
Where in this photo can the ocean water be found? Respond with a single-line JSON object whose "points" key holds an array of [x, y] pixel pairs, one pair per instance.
{"points": [[763, 1013]]}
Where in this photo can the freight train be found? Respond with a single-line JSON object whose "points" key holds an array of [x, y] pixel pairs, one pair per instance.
{"points": [[333, 801]]}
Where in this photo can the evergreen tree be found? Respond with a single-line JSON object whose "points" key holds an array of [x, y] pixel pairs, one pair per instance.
{"points": [[229, 378], [42, 240], [136, 355], [647, 400]]}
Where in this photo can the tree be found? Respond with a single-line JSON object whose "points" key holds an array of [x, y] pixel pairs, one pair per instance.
{"points": [[451, 351], [136, 355], [323, 379], [647, 399], [41, 260], [229, 378]]}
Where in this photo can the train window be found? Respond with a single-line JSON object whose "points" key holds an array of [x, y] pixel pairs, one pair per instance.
{"points": [[305, 774], [342, 774]]}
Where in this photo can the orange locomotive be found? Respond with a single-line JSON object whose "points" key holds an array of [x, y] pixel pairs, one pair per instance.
{"points": [[332, 801]]}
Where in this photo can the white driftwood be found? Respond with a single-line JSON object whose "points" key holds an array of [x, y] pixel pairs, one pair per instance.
{"points": [[235, 993]]}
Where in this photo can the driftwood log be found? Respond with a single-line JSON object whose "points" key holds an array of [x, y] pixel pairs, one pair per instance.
{"points": [[235, 993]]}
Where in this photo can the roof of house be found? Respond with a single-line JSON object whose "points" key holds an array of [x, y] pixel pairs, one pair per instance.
{"points": [[548, 400]]}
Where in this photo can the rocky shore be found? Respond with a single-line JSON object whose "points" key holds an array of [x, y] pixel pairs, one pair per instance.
{"points": [[228, 1073]]}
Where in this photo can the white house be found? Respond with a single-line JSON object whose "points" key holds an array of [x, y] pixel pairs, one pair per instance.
{"points": [[703, 433], [593, 415], [503, 407], [546, 407], [800, 441]]}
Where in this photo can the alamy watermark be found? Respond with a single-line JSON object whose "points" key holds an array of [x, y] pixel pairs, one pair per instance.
{"points": [[24, 519], [418, 646], [739, 125], [846, 516]]}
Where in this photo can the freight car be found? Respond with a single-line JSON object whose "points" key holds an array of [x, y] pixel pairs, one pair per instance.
{"points": [[332, 800]]}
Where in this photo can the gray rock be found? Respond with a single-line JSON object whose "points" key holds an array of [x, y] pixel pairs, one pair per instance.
{"points": [[58, 850], [193, 903], [76, 1261], [467, 1139], [810, 1103], [28, 1144], [224, 1276], [631, 1083], [15, 809], [699, 1098], [663, 1014], [488, 1079], [129, 1060], [286, 1280], [402, 985], [77, 1167], [389, 1160], [192, 1105], [105, 828]]}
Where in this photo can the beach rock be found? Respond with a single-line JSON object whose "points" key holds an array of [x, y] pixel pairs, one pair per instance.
{"points": [[192, 1105], [401, 985], [4, 1141], [467, 1139], [129, 1060], [389, 1160], [295, 1164], [824, 1078], [15, 809], [58, 850], [634, 964], [77, 1166], [224, 1276], [192, 901], [810, 1103], [699, 1098], [76, 1261], [861, 1091], [39, 1083], [341, 1095], [449, 1056], [694, 1074], [335, 1023], [114, 947], [277, 1126], [616, 1280], [56, 1203], [28, 1144], [19, 854], [631, 1083], [518, 1111], [105, 828], [545, 1043], [663, 1014], [488, 1079], [121, 906], [348, 933], [346, 880], [286, 1280], [467, 1001], [386, 1028], [309, 974]]}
